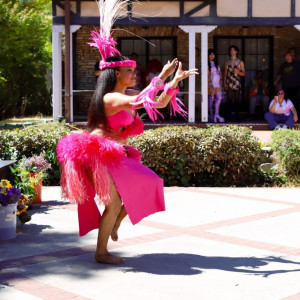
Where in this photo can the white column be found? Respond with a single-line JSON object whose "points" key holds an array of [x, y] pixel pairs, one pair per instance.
{"points": [[192, 30], [204, 69], [56, 71], [297, 27], [57, 30], [73, 28]]}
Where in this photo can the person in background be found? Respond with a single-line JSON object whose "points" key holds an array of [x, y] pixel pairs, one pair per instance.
{"points": [[289, 76], [97, 70], [259, 92], [234, 70], [214, 87], [281, 110], [153, 69], [138, 73]]}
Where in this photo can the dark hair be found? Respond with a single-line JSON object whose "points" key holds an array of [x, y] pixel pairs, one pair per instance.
{"points": [[105, 84], [210, 51], [235, 48], [280, 90]]}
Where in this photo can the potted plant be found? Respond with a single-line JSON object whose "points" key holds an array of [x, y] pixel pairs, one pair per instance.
{"points": [[29, 175], [9, 197]]}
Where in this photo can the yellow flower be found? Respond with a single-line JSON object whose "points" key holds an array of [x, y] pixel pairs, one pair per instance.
{"points": [[5, 184]]}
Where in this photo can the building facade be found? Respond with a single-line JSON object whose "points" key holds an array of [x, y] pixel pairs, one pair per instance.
{"points": [[263, 31]]}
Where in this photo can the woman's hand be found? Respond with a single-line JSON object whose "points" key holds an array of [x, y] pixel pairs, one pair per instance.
{"points": [[168, 69], [295, 118], [181, 74]]}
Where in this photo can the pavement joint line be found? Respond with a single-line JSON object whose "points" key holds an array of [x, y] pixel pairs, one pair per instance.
{"points": [[293, 297], [243, 197], [36, 288]]}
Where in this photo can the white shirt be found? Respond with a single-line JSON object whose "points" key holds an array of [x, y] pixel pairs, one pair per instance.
{"points": [[284, 108]]}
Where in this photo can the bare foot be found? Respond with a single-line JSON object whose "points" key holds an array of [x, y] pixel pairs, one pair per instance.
{"points": [[114, 233], [109, 259]]}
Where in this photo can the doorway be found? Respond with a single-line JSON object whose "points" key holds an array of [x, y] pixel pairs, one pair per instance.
{"points": [[257, 54]]}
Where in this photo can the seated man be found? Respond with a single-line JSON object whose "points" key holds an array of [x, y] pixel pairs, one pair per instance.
{"points": [[281, 111], [259, 94]]}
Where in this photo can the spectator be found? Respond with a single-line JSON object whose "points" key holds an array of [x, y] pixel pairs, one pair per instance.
{"points": [[138, 73], [97, 69], [214, 87], [234, 70], [153, 69], [281, 111], [289, 75], [259, 92]]}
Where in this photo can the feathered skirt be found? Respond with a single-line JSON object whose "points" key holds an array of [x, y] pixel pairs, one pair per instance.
{"points": [[140, 189]]}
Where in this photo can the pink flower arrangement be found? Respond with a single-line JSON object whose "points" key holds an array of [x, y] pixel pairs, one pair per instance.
{"points": [[37, 164]]}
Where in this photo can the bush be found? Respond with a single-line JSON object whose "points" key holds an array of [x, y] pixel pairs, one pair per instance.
{"points": [[31, 141], [286, 143], [217, 156]]}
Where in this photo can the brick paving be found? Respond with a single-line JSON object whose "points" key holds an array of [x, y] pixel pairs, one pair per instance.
{"points": [[211, 243]]}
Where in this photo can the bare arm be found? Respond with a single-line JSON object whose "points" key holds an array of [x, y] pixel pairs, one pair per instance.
{"points": [[225, 75], [242, 67], [272, 107], [278, 79], [164, 99], [117, 101], [293, 110]]}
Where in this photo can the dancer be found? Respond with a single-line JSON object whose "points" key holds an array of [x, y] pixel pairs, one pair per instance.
{"points": [[214, 87], [234, 70], [97, 164]]}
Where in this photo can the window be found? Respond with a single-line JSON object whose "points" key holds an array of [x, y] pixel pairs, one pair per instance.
{"points": [[160, 48]]}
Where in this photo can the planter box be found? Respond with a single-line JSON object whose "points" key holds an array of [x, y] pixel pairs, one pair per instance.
{"points": [[8, 221]]}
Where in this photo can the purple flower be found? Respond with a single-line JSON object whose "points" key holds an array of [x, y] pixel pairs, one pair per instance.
{"points": [[9, 196]]}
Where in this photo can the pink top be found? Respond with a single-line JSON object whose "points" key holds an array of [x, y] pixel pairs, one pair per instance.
{"points": [[126, 124]]}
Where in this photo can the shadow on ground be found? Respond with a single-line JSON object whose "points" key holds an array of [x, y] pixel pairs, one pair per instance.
{"points": [[191, 264]]}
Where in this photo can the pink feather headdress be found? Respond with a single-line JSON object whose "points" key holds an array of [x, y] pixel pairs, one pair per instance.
{"points": [[109, 10]]}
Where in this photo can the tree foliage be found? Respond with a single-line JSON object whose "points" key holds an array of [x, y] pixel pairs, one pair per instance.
{"points": [[25, 57]]}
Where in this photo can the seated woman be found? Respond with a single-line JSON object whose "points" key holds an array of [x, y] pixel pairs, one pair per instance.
{"points": [[281, 111]]}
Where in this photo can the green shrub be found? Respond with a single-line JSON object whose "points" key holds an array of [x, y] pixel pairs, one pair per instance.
{"points": [[217, 156], [33, 140], [286, 143]]}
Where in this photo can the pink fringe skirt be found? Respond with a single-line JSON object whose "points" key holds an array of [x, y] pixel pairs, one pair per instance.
{"points": [[140, 189]]}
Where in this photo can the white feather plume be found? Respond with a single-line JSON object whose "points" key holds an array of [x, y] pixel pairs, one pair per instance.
{"points": [[110, 11]]}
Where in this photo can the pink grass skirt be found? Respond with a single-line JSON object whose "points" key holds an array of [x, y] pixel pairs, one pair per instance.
{"points": [[140, 189]]}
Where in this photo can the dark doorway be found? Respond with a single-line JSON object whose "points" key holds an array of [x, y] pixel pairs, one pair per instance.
{"points": [[257, 54]]}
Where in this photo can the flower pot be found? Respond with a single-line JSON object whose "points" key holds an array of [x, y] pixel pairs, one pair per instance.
{"points": [[8, 221], [38, 191]]}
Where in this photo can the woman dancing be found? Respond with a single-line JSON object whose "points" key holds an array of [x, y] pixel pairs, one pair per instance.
{"points": [[98, 165]]}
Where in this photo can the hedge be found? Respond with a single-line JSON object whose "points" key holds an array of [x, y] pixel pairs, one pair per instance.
{"points": [[217, 156]]}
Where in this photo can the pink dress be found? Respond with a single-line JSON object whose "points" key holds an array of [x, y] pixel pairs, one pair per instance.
{"points": [[140, 189]]}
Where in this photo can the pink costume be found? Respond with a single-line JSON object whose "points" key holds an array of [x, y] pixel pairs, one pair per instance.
{"points": [[140, 189]]}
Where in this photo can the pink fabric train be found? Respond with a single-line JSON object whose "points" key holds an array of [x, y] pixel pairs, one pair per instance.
{"points": [[141, 190]]}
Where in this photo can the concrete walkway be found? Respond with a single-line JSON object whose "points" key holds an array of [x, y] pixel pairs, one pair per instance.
{"points": [[210, 243]]}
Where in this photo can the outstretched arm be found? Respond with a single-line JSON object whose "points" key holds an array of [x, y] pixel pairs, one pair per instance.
{"points": [[164, 99]]}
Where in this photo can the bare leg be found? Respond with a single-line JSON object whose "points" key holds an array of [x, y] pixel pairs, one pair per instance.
{"points": [[107, 223], [122, 214]]}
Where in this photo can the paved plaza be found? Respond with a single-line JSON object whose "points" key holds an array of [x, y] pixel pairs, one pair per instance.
{"points": [[210, 243]]}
